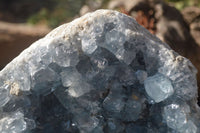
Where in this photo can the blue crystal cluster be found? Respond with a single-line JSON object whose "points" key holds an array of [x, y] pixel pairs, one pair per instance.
{"points": [[101, 73]]}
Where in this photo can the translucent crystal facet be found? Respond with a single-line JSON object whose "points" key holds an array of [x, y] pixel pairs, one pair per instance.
{"points": [[175, 116], [158, 87], [141, 76], [4, 96], [13, 124]]}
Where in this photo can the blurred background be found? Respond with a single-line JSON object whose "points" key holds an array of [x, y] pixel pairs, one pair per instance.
{"points": [[176, 22]]}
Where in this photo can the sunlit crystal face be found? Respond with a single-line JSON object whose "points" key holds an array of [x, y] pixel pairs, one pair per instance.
{"points": [[158, 87], [175, 116]]}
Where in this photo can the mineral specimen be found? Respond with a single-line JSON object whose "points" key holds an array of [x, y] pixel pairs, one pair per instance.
{"points": [[101, 73]]}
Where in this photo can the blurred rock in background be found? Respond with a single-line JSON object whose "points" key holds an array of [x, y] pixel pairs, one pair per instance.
{"points": [[192, 17]]}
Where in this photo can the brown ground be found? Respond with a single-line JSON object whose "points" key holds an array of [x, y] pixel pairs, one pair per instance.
{"points": [[16, 37]]}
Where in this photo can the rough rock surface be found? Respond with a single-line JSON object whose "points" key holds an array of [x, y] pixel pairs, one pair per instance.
{"points": [[101, 73]]}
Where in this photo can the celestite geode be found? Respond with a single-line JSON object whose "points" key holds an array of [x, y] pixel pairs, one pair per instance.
{"points": [[101, 73]]}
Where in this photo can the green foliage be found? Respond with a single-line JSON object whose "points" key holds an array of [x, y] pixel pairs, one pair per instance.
{"points": [[61, 11], [180, 4], [42, 15]]}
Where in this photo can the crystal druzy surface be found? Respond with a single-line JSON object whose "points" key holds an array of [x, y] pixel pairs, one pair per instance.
{"points": [[101, 73]]}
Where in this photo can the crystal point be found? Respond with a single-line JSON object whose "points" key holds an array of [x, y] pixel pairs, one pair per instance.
{"points": [[158, 87]]}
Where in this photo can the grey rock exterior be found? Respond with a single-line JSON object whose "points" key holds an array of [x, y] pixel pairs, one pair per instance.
{"points": [[95, 75]]}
